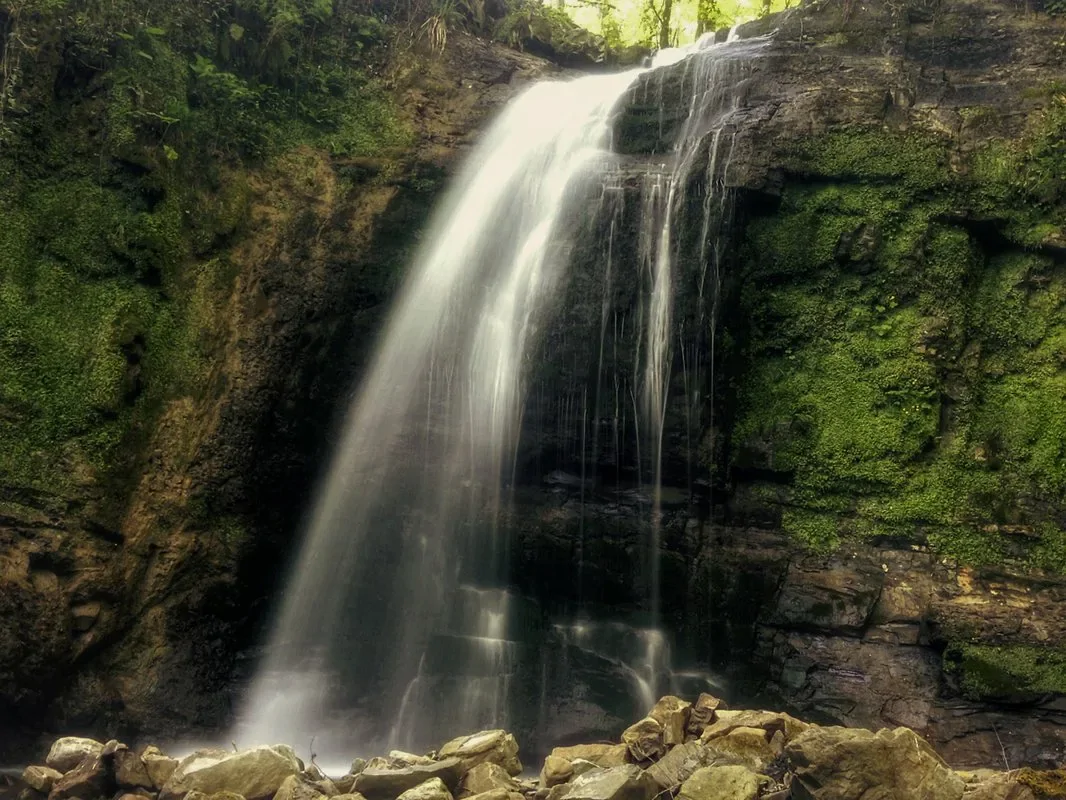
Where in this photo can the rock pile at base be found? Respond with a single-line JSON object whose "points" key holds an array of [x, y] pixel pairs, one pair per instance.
{"points": [[683, 750]]}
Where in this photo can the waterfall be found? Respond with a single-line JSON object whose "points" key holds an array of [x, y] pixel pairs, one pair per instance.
{"points": [[397, 622]]}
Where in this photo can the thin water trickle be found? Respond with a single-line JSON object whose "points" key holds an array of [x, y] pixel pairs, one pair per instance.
{"points": [[395, 609]]}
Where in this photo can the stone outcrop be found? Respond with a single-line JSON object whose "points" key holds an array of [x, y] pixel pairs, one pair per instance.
{"points": [[254, 774], [803, 761]]}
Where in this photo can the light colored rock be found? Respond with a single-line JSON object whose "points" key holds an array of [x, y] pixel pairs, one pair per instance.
{"points": [[602, 755], [556, 770], [1000, 790], [138, 794], [495, 794], [313, 772], [749, 747], [400, 758], [628, 782], [358, 765], [703, 713], [723, 783], [226, 796], [842, 763], [349, 796], [376, 781], [673, 769], [496, 746], [256, 773], [68, 752], [297, 787], [130, 771], [486, 777], [41, 779], [770, 721], [644, 740], [581, 765], [673, 714], [90, 779], [158, 766], [433, 789]]}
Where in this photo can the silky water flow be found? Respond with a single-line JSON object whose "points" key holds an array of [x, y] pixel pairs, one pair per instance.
{"points": [[396, 624]]}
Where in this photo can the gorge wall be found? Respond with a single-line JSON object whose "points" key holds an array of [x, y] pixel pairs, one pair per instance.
{"points": [[863, 501]]}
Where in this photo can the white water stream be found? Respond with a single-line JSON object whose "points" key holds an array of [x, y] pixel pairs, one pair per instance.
{"points": [[401, 573]]}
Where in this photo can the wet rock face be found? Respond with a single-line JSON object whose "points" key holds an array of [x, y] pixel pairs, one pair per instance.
{"points": [[881, 632]]}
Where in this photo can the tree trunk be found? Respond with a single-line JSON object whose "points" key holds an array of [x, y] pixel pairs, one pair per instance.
{"points": [[664, 23]]}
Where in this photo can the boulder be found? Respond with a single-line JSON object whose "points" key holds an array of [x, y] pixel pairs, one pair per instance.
{"points": [[433, 789], [93, 777], [673, 769], [703, 713], [602, 755], [723, 783], [627, 782], [297, 787], [68, 752], [256, 773], [1000, 790], [846, 764], [770, 721], [41, 779], [130, 771], [349, 796], [497, 747], [358, 765], [556, 770], [749, 747], [327, 787], [138, 794], [673, 714], [377, 781], [486, 777], [158, 766], [497, 794], [644, 740]]}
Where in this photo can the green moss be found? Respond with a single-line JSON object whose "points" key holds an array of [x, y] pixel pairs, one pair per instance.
{"points": [[905, 378], [816, 531], [987, 671], [120, 195]]}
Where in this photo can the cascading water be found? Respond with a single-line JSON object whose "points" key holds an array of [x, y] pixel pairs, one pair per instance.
{"points": [[397, 622]]}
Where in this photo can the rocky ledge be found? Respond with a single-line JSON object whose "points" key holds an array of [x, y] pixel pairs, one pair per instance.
{"points": [[693, 751]]}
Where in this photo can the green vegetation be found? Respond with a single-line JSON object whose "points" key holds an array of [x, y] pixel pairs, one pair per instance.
{"points": [[127, 131], [663, 23], [987, 672], [906, 343]]}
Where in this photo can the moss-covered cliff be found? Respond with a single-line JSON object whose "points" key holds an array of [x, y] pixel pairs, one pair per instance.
{"points": [[205, 208]]}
